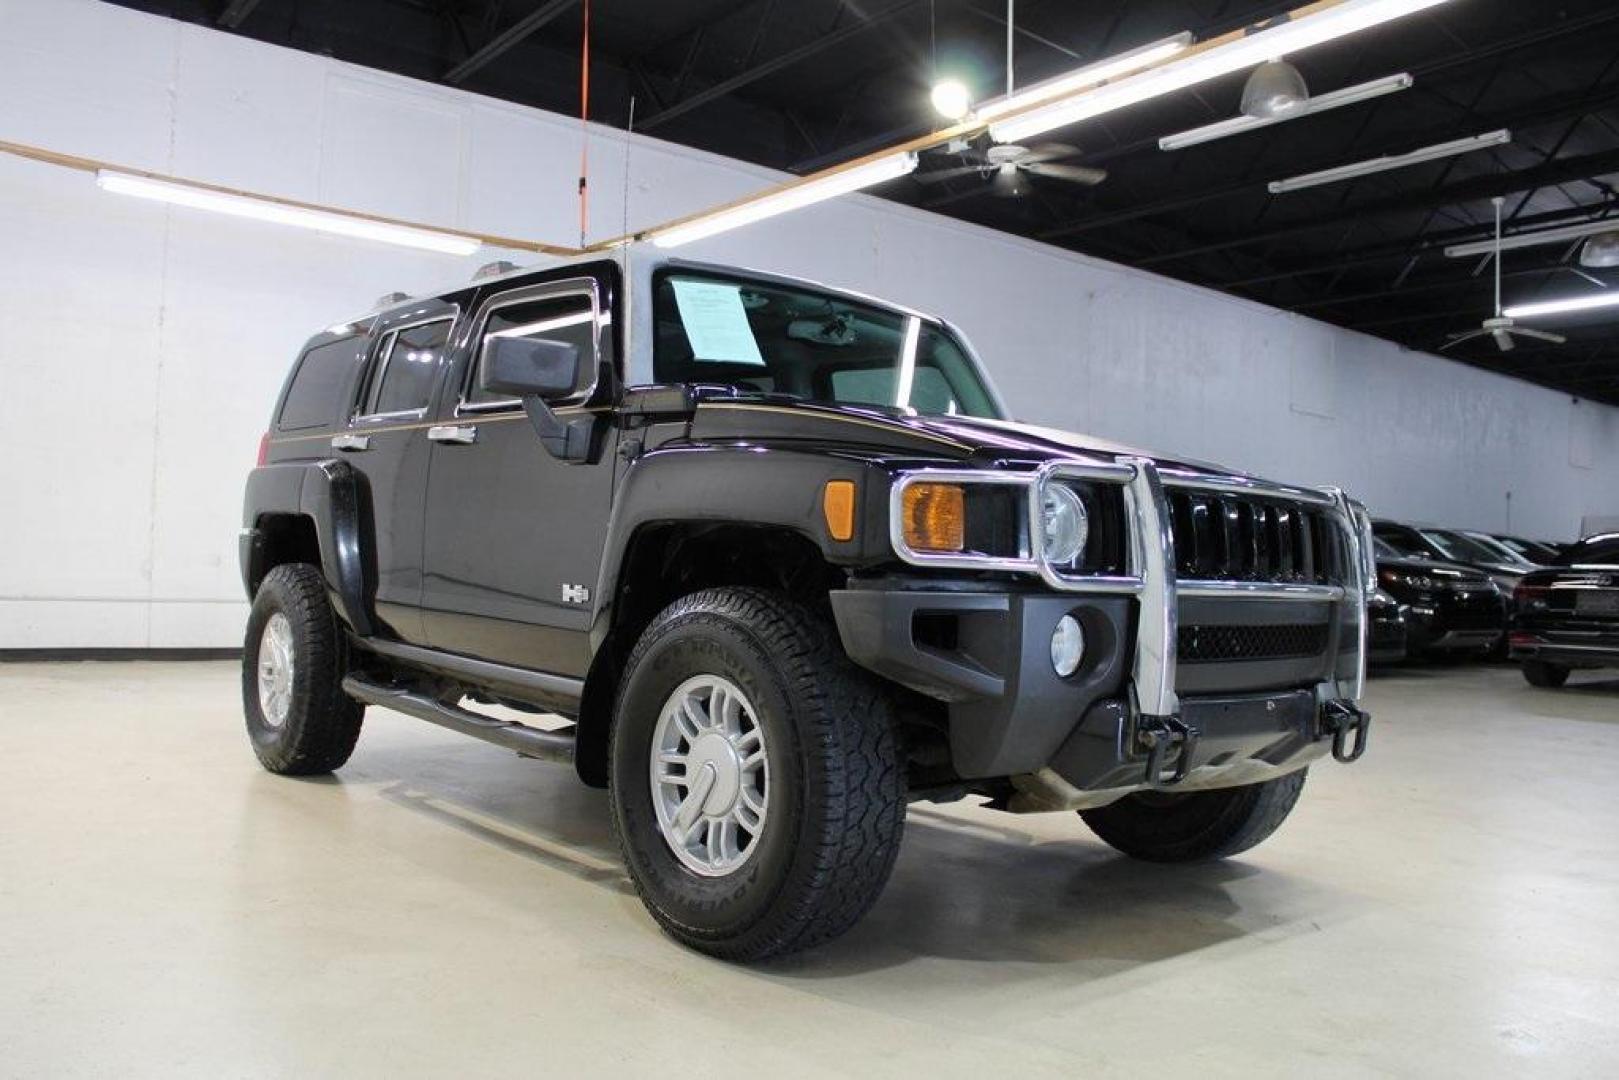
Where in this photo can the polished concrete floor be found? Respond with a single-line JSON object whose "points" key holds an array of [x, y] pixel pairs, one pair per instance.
{"points": [[1448, 907]]}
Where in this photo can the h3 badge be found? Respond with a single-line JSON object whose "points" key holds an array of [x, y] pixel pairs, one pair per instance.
{"points": [[575, 594]]}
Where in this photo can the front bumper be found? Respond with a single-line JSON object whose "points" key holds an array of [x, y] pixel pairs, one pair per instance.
{"points": [[1079, 741]]}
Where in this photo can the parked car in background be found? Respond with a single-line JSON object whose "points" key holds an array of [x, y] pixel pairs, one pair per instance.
{"points": [[1452, 546], [1448, 608], [1512, 556], [1567, 615], [1540, 552], [1386, 633]]}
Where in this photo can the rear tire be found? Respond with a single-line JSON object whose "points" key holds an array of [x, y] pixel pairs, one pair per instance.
{"points": [[816, 776], [1196, 826], [293, 662], [1542, 673]]}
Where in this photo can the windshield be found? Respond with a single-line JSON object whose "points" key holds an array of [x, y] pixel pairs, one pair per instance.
{"points": [[1503, 553], [1458, 548], [787, 339]]}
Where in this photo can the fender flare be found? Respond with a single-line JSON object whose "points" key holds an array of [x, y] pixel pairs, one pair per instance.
{"points": [[335, 496]]}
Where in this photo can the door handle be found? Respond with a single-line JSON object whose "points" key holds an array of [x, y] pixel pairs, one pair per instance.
{"points": [[456, 434], [351, 443]]}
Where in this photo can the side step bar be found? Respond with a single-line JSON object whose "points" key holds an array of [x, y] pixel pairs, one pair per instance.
{"points": [[508, 734]]}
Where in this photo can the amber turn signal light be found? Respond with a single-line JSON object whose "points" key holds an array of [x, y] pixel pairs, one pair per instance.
{"points": [[935, 517], [837, 503]]}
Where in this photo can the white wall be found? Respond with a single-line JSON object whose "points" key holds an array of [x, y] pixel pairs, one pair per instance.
{"points": [[141, 347]]}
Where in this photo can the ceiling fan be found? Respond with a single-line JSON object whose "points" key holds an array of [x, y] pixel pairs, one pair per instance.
{"points": [[1501, 328], [1007, 165]]}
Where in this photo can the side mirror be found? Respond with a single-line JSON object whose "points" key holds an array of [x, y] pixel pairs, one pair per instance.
{"points": [[523, 367]]}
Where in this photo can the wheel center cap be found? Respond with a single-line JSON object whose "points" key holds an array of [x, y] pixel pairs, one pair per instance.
{"points": [[715, 751]]}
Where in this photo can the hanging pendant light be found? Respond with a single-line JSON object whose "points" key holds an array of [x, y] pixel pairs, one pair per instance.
{"points": [[1274, 89], [1601, 251]]}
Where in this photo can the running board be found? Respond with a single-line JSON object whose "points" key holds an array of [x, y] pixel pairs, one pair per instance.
{"points": [[508, 734]]}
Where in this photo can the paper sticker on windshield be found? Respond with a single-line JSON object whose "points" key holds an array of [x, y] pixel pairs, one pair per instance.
{"points": [[716, 322]]}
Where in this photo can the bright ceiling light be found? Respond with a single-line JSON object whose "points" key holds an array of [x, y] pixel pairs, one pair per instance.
{"points": [[1336, 99], [260, 209], [1280, 39], [1390, 161], [1274, 91], [1111, 67], [951, 99], [1563, 307], [789, 196], [1533, 238]]}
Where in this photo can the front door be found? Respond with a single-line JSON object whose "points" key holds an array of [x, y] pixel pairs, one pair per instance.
{"points": [[385, 440], [514, 535]]}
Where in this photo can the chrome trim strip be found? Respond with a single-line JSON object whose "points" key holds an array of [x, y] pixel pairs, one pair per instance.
{"points": [[1237, 485], [1152, 556], [1259, 590]]}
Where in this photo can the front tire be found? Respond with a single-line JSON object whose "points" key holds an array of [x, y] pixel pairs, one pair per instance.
{"points": [[1542, 673], [757, 789], [293, 662], [1196, 826]]}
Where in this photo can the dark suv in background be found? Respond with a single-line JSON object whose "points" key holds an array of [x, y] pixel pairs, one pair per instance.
{"points": [[1454, 547], [1568, 615], [1448, 608]]}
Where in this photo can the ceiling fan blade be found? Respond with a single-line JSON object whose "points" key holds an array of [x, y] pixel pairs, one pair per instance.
{"points": [[1503, 340], [1078, 174], [1047, 152], [1457, 339], [1539, 335], [933, 176]]}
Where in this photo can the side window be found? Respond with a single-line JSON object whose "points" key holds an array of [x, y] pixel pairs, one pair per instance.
{"points": [[406, 367], [320, 385], [568, 317]]}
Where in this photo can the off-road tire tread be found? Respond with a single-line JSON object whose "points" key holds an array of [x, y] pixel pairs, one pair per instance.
{"points": [[323, 723], [1249, 815], [852, 731]]}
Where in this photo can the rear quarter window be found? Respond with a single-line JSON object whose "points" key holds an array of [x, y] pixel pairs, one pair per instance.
{"points": [[316, 393]]}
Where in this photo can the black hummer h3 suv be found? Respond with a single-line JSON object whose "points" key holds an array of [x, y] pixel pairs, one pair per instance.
{"points": [[776, 554]]}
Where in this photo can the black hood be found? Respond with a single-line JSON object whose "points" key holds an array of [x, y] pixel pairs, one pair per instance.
{"points": [[960, 438]]}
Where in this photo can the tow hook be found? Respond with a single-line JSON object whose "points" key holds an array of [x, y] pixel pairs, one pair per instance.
{"points": [[1158, 735], [1344, 722]]}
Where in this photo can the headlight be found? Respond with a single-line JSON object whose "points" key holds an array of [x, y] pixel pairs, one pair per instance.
{"points": [[1066, 525]]}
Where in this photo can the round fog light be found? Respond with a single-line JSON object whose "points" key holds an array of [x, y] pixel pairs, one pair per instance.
{"points": [[1067, 646]]}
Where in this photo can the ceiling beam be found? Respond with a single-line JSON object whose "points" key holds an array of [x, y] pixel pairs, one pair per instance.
{"points": [[235, 13], [1471, 190], [777, 63], [506, 39]]}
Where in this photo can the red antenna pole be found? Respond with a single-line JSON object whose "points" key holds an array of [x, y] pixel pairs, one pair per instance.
{"points": [[584, 130]]}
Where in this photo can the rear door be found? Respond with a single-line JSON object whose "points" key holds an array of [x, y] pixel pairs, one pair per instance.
{"points": [[513, 535], [385, 439]]}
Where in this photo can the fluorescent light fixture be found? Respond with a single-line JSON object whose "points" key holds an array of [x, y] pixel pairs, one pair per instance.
{"points": [[1535, 238], [1281, 39], [790, 196], [1390, 161], [1337, 99], [1111, 67], [1563, 307], [280, 213]]}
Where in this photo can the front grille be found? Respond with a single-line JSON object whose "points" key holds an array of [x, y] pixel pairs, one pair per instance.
{"points": [[1226, 537], [1211, 644]]}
